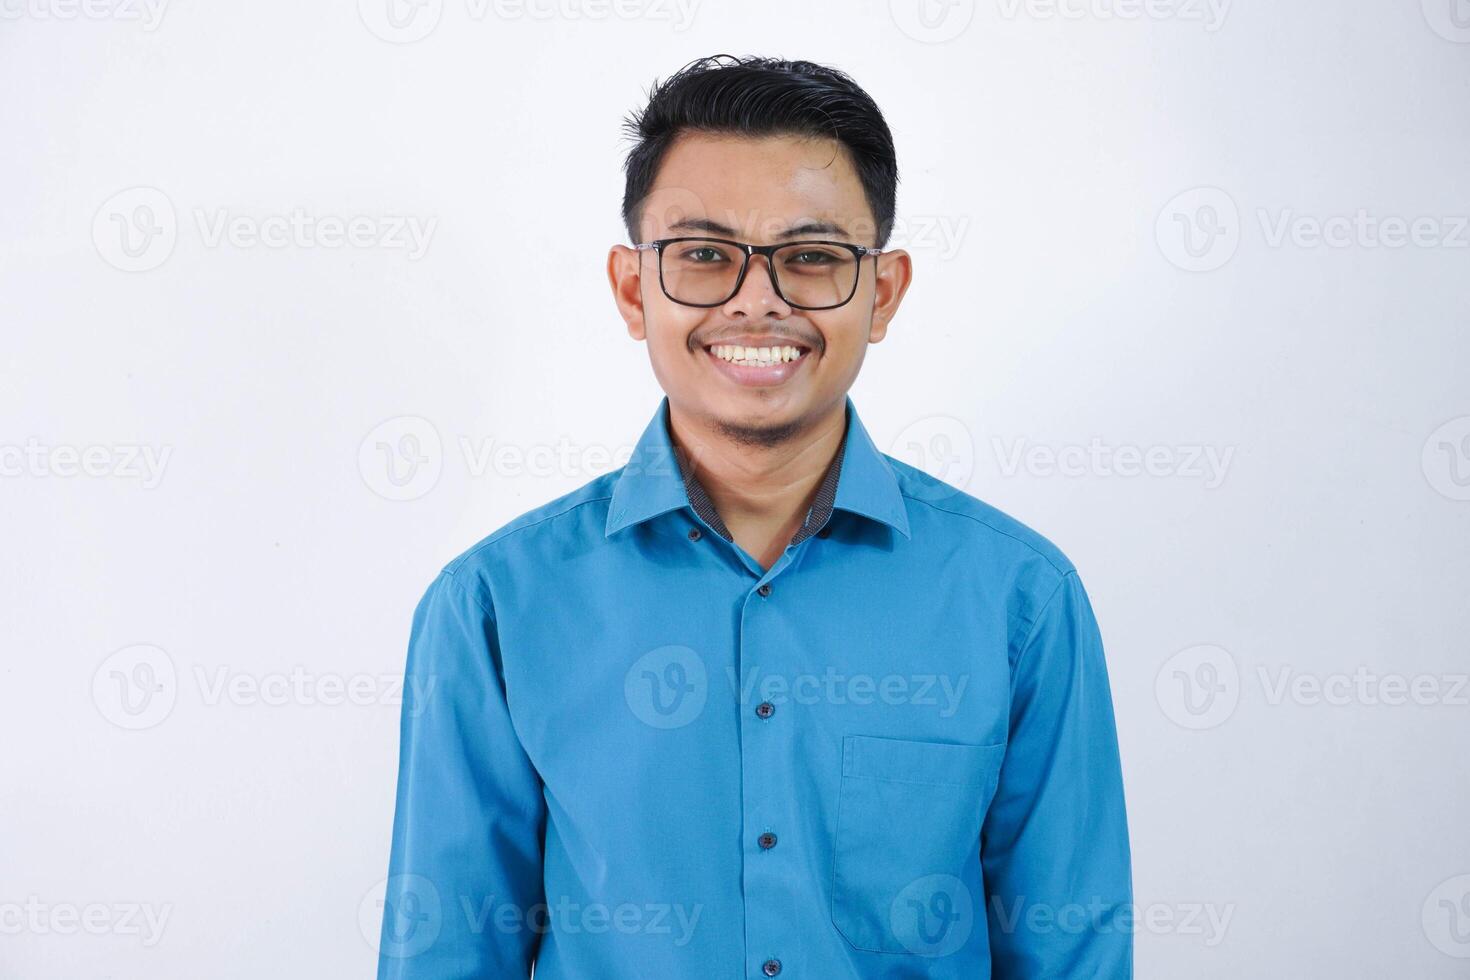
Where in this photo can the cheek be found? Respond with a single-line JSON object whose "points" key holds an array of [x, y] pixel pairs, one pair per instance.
{"points": [[669, 329], [844, 332]]}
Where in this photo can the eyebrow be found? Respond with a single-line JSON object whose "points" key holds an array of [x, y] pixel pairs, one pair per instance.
{"points": [[795, 231]]}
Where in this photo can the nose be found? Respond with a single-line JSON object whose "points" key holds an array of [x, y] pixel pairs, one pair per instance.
{"points": [[757, 296]]}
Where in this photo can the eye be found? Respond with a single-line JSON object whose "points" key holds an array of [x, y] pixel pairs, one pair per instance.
{"points": [[813, 256], [701, 255]]}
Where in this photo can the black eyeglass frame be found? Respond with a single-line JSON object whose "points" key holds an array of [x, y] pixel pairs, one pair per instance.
{"points": [[858, 252]]}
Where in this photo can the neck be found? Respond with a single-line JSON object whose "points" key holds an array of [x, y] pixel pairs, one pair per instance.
{"points": [[761, 482]]}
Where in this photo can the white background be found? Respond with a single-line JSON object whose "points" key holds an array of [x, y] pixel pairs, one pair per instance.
{"points": [[259, 567]]}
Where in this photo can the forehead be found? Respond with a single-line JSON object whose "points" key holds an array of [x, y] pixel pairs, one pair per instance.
{"points": [[758, 187]]}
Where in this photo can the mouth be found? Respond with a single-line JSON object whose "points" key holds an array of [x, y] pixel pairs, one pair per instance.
{"points": [[758, 365]]}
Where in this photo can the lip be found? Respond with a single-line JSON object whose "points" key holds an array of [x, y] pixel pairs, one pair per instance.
{"points": [[758, 377]]}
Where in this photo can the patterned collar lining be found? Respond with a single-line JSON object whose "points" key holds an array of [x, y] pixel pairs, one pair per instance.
{"points": [[816, 518]]}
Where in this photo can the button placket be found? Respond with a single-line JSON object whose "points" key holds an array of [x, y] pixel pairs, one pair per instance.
{"points": [[765, 761]]}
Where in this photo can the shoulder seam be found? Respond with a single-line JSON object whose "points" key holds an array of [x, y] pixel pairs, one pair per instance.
{"points": [[504, 533], [1041, 612], [1060, 569], [464, 590]]}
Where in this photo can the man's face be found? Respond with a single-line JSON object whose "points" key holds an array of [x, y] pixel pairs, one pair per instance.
{"points": [[768, 190]]}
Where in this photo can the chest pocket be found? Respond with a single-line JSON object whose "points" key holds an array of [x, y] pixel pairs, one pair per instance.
{"points": [[908, 842]]}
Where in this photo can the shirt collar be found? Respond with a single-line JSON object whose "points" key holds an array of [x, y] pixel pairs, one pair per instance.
{"points": [[651, 483]]}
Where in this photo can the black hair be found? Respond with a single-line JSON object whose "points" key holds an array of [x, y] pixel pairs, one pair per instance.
{"points": [[754, 96]]}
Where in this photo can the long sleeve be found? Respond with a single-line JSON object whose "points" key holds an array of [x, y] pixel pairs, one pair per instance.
{"points": [[466, 864], [1054, 846]]}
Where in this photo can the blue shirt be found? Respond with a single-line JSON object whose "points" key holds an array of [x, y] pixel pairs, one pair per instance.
{"points": [[628, 751]]}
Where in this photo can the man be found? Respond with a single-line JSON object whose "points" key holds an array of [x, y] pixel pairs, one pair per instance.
{"points": [[765, 701]]}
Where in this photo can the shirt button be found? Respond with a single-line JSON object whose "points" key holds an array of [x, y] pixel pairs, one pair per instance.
{"points": [[694, 534], [765, 589], [771, 967], [765, 709], [766, 841]]}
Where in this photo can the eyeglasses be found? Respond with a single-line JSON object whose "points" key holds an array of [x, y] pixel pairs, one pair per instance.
{"points": [[812, 275]]}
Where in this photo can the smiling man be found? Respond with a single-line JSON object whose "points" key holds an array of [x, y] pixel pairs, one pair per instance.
{"points": [[765, 701]]}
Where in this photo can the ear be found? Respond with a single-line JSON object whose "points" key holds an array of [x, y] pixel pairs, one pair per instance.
{"points": [[895, 270], [625, 275]]}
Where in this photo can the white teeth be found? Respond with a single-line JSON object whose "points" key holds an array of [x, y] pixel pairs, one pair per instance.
{"points": [[755, 355]]}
